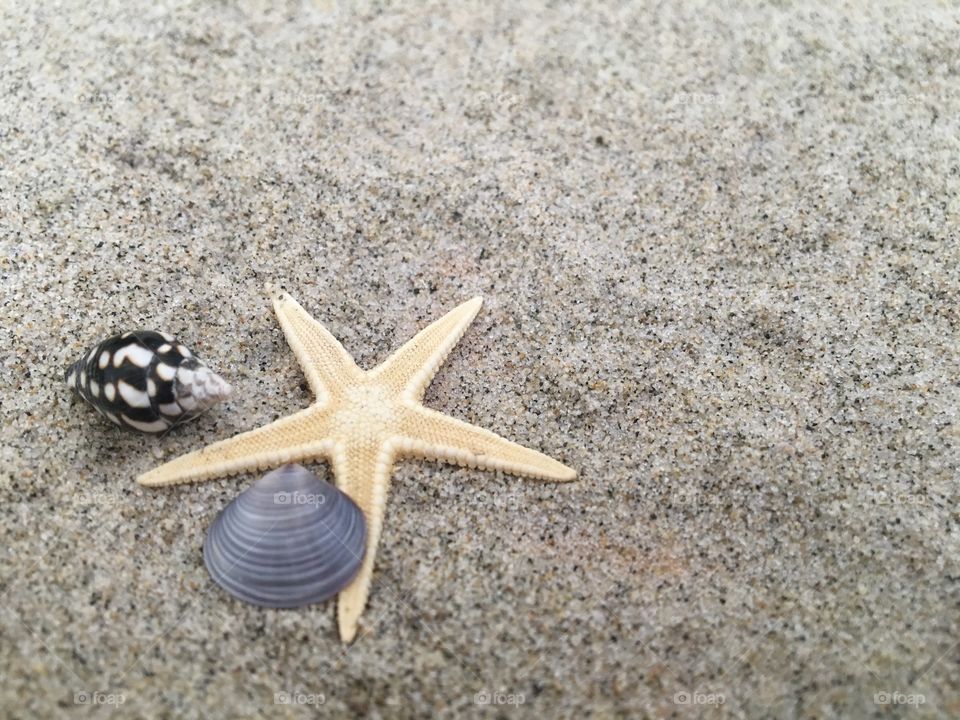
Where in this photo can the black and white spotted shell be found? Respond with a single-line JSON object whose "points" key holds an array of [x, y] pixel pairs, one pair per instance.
{"points": [[146, 380]]}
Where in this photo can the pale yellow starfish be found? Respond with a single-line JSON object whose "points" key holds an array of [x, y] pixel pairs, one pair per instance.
{"points": [[361, 422]]}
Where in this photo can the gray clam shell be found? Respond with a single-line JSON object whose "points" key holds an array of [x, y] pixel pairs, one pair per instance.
{"points": [[289, 540]]}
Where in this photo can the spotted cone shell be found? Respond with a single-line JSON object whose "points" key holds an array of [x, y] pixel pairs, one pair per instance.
{"points": [[146, 381]]}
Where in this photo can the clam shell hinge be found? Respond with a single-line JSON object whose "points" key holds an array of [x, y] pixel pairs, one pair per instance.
{"points": [[289, 540], [146, 381]]}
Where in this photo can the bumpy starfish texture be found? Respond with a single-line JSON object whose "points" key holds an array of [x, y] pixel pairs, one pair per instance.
{"points": [[361, 422]]}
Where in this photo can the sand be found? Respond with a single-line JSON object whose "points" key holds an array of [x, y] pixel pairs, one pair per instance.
{"points": [[718, 246]]}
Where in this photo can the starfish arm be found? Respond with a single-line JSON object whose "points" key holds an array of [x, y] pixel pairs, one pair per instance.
{"points": [[324, 360], [431, 434], [363, 473], [411, 368], [289, 439]]}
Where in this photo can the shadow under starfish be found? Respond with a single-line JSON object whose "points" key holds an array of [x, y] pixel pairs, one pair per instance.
{"points": [[361, 422]]}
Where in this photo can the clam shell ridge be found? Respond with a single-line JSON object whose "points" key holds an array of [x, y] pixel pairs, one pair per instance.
{"points": [[289, 540]]}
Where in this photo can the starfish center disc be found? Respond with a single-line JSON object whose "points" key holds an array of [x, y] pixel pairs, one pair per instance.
{"points": [[367, 414]]}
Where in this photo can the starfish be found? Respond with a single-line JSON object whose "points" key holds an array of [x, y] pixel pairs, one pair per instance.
{"points": [[361, 422]]}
